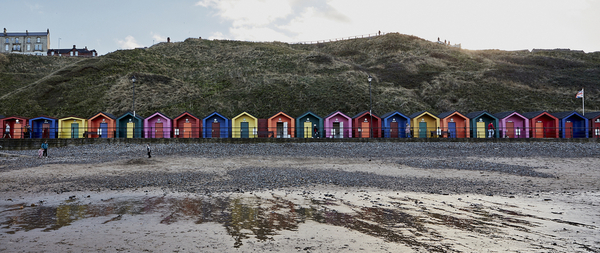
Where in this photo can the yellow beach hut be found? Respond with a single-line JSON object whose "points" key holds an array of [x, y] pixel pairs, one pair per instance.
{"points": [[244, 126], [72, 127]]}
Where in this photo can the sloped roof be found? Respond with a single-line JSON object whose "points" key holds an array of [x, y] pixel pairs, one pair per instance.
{"points": [[591, 115], [362, 113], [562, 115], [186, 112], [331, 114], [448, 113], [392, 113], [309, 112], [416, 114], [531, 115]]}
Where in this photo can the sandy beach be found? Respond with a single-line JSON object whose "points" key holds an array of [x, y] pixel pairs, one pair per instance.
{"points": [[291, 203]]}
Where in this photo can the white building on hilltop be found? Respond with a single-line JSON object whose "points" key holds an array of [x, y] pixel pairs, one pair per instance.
{"points": [[32, 43]]}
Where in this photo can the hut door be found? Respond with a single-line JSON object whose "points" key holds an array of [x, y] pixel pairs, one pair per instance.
{"points": [[18, 130], [187, 130], [104, 130], [510, 129], [423, 129], [341, 133], [394, 129], [451, 129], [285, 130], [130, 127], [539, 129], [568, 129], [365, 129], [74, 130], [335, 131], [216, 130], [480, 129], [158, 130], [46, 130], [308, 129], [244, 130], [280, 130], [597, 128]]}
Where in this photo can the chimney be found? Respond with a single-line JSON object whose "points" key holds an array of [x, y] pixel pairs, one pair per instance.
{"points": [[73, 46], [48, 30], [4, 31], [27, 32]]}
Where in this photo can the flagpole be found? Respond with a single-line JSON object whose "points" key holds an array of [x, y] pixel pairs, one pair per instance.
{"points": [[583, 100]]}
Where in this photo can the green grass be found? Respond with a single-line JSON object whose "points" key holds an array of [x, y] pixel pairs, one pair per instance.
{"points": [[202, 76]]}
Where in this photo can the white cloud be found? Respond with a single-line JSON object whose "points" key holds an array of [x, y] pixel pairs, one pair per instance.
{"points": [[158, 38], [128, 43]]}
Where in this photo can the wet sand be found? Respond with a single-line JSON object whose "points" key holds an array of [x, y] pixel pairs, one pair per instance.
{"points": [[516, 214]]}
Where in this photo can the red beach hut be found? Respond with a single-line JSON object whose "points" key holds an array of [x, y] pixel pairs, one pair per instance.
{"points": [[186, 125], [542, 124], [364, 127], [13, 127]]}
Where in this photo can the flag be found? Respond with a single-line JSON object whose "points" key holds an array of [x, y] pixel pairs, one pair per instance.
{"points": [[579, 94]]}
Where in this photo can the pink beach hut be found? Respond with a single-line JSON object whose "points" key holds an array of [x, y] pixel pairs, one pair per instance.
{"points": [[157, 126], [338, 125], [512, 125]]}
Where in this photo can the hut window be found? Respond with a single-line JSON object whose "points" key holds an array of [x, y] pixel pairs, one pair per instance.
{"points": [[215, 121]]}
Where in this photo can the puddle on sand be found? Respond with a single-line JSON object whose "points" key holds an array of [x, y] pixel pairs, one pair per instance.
{"points": [[262, 218]]}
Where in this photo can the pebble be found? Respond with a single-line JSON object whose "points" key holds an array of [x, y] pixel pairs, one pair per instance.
{"points": [[432, 156]]}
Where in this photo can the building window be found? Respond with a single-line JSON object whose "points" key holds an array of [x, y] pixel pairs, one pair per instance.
{"points": [[39, 40], [28, 47], [7, 40], [71, 53], [6, 48], [52, 52], [28, 40], [38, 47], [16, 40], [76, 53], [93, 53]]}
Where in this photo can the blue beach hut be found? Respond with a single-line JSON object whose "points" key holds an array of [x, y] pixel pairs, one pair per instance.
{"points": [[394, 125], [216, 126], [572, 124], [43, 127]]}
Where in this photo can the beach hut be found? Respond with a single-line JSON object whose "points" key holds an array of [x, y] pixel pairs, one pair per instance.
{"points": [[157, 125], [244, 126], [425, 124], [480, 122], [14, 127], [594, 123], [454, 124], [542, 124], [43, 127], [72, 127], [338, 125], [572, 124], [306, 125], [512, 125], [366, 125], [102, 125], [130, 126], [216, 126], [282, 124], [186, 125], [394, 125]]}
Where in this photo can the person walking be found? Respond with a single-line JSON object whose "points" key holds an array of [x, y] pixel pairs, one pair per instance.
{"points": [[7, 131], [490, 130], [407, 130], [45, 148], [149, 150]]}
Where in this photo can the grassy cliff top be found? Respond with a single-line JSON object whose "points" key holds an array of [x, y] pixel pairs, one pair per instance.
{"points": [[201, 76]]}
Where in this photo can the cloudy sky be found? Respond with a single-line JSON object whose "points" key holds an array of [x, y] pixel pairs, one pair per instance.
{"points": [[109, 25]]}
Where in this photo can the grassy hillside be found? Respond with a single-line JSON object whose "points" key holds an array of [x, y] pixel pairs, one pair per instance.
{"points": [[202, 76]]}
